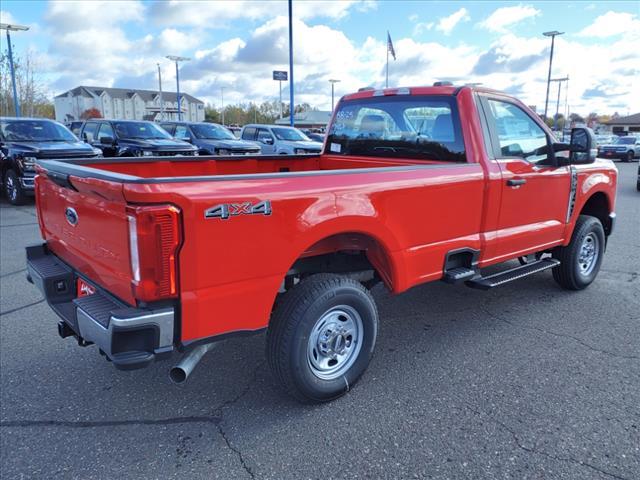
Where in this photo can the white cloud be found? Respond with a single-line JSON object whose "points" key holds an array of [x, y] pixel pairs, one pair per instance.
{"points": [[612, 23], [422, 27], [75, 14], [6, 17], [447, 24], [217, 14], [503, 18]]}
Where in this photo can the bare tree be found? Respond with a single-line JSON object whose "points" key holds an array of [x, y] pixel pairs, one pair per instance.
{"points": [[32, 92]]}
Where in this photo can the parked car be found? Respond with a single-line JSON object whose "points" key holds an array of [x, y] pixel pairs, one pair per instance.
{"points": [[25, 140], [210, 138], [236, 130], [75, 127], [279, 140], [315, 136], [623, 148], [146, 258], [133, 138], [605, 139]]}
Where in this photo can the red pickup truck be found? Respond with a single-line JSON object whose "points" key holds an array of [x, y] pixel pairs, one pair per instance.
{"points": [[147, 256]]}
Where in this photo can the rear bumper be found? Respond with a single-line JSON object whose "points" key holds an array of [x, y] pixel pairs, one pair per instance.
{"points": [[130, 337]]}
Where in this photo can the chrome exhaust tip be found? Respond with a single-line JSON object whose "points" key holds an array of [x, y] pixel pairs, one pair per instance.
{"points": [[183, 369]]}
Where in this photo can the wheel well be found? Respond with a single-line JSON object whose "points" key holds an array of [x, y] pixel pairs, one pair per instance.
{"points": [[598, 206], [344, 253]]}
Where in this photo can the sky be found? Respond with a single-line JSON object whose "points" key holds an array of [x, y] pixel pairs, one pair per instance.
{"points": [[236, 45]]}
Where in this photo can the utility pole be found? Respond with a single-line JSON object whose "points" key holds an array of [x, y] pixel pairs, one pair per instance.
{"points": [[160, 91], [178, 59], [333, 82], [553, 35], [559, 80], [13, 28], [222, 103]]}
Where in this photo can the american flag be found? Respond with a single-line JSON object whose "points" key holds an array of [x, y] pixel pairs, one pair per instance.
{"points": [[390, 46]]}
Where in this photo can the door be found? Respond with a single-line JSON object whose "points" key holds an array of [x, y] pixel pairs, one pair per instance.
{"points": [[105, 132], [535, 193]]}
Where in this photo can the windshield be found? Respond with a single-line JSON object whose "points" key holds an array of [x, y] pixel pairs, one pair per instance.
{"points": [[418, 127], [212, 132], [290, 134], [35, 131], [143, 130], [625, 141]]}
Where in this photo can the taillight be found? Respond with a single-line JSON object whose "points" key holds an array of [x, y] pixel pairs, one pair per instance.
{"points": [[154, 238]]}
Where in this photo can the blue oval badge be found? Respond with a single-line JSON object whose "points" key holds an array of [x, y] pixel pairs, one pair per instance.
{"points": [[72, 216]]}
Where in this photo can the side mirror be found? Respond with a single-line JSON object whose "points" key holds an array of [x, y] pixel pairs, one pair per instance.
{"points": [[583, 146], [267, 140], [106, 140]]}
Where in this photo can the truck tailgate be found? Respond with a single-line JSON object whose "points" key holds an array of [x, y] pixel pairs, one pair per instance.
{"points": [[84, 222]]}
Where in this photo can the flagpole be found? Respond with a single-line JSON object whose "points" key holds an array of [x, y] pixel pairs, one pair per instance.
{"points": [[387, 59]]}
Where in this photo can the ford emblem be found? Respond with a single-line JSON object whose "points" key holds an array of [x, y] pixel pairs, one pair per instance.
{"points": [[72, 216]]}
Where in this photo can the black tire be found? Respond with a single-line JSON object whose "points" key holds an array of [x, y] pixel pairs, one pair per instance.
{"points": [[292, 325], [630, 156], [13, 189], [569, 273]]}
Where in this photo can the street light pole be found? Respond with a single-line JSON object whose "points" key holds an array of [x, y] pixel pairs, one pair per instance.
{"points": [[553, 35], [178, 59], [13, 28], [291, 104], [333, 82]]}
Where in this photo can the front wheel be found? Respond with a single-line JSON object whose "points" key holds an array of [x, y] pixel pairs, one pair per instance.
{"points": [[580, 260], [321, 337], [13, 189], [630, 156]]}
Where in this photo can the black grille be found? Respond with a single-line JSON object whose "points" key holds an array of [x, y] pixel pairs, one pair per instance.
{"points": [[165, 153]]}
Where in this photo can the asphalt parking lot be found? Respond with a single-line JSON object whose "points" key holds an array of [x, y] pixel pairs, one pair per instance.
{"points": [[526, 381]]}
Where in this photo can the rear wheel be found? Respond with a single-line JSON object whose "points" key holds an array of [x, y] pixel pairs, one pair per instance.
{"points": [[580, 260], [13, 189], [321, 337]]}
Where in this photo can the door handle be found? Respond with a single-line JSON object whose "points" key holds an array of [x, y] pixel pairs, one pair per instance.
{"points": [[516, 182]]}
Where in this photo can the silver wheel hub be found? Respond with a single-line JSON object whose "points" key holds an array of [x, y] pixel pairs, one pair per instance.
{"points": [[335, 342], [11, 188], [588, 255]]}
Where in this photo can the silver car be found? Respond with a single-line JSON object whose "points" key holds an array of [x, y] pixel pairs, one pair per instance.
{"points": [[280, 140]]}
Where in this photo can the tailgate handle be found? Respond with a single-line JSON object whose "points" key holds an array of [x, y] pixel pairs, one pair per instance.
{"points": [[61, 180]]}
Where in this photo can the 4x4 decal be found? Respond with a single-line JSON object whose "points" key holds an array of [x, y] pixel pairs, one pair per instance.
{"points": [[228, 210]]}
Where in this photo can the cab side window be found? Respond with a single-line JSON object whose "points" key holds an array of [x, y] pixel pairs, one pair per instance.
{"points": [[169, 128], [249, 133], [264, 135], [182, 132], [106, 130], [89, 132], [518, 134]]}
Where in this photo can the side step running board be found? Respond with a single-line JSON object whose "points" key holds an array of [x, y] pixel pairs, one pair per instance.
{"points": [[500, 278]]}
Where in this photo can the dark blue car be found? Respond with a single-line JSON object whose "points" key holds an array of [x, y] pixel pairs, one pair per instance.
{"points": [[211, 138], [23, 141]]}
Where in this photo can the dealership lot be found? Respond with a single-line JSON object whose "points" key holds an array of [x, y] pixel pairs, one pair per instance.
{"points": [[525, 381]]}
